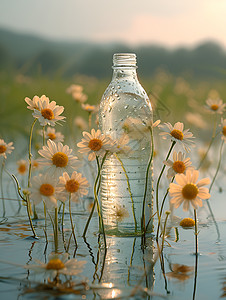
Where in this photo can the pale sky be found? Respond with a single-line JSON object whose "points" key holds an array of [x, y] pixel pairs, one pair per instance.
{"points": [[166, 22]]}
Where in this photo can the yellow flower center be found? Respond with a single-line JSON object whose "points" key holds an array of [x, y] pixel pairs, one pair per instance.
{"points": [[51, 136], [60, 159], [187, 222], [22, 169], [95, 144], [72, 186], [55, 264], [179, 166], [223, 131], [46, 189], [2, 149], [47, 113], [177, 134], [214, 107], [89, 108], [190, 191]]}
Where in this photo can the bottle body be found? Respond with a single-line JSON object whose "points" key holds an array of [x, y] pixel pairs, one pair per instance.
{"points": [[125, 115]]}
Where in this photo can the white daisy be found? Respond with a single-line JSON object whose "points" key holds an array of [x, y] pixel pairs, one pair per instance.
{"points": [[58, 158], [48, 113], [94, 144], [53, 135], [215, 106], [74, 88], [33, 104], [180, 164], [187, 191], [76, 186], [223, 125], [22, 166], [177, 134], [136, 127], [5, 148], [43, 188], [58, 264], [121, 145], [81, 123], [79, 97]]}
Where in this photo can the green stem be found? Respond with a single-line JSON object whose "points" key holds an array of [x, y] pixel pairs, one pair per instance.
{"points": [[28, 205], [164, 231], [2, 194], [30, 155], [29, 216], [158, 181], [196, 254], [101, 223], [72, 225], [143, 227], [211, 185], [18, 187], [218, 166], [162, 205], [129, 189], [94, 203], [211, 141], [62, 219], [43, 135], [45, 229], [56, 230]]}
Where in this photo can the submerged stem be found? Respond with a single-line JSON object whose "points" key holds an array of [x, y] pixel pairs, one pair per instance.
{"points": [[29, 216], [97, 202], [196, 254], [158, 181], [129, 189], [30, 154], [72, 225], [56, 230], [94, 203], [143, 227], [45, 229], [2, 194]]}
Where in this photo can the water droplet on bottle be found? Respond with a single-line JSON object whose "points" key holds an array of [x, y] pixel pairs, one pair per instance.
{"points": [[126, 106]]}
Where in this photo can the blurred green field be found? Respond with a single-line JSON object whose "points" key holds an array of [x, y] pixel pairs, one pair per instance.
{"points": [[173, 98]]}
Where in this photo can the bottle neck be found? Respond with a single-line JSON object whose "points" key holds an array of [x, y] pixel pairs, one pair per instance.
{"points": [[124, 73]]}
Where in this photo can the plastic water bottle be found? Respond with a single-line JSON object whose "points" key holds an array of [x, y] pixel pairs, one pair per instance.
{"points": [[125, 115]]}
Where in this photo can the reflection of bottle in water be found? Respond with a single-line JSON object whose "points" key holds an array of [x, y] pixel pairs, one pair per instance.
{"points": [[125, 115], [127, 265]]}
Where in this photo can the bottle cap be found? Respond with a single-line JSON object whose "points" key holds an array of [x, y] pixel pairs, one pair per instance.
{"points": [[124, 60]]}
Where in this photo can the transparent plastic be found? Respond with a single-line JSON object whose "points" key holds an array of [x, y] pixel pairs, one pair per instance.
{"points": [[125, 114]]}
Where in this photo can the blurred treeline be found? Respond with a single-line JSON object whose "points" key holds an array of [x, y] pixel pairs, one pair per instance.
{"points": [[31, 55]]}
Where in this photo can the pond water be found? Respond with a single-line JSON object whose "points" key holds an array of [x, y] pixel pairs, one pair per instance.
{"points": [[126, 270]]}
